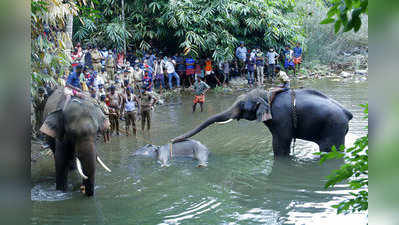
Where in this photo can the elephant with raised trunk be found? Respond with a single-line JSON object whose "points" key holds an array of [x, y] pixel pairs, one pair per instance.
{"points": [[71, 126], [319, 118]]}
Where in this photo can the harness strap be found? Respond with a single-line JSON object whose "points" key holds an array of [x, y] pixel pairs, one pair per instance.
{"points": [[294, 116], [171, 149]]}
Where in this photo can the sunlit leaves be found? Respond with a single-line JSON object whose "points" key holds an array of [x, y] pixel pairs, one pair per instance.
{"points": [[338, 14]]}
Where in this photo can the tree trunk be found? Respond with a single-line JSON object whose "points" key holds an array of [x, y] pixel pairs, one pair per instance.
{"points": [[69, 30], [123, 19]]}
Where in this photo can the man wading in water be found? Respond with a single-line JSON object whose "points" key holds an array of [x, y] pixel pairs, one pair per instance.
{"points": [[130, 111], [146, 102], [200, 88], [114, 109]]}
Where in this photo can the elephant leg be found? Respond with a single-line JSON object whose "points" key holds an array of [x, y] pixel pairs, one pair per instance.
{"points": [[61, 166], [51, 142], [281, 146]]}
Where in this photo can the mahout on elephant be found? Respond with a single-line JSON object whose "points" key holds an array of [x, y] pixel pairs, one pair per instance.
{"points": [[304, 114], [71, 126], [185, 148]]}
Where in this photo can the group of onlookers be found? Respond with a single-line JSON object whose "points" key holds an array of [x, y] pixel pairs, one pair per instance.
{"points": [[123, 84]]}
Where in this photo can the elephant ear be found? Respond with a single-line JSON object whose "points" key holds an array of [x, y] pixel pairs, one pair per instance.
{"points": [[53, 125], [263, 110]]}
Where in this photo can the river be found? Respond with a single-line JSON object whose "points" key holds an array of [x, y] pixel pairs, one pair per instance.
{"points": [[242, 184]]}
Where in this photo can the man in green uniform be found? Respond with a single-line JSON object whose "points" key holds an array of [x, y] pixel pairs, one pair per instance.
{"points": [[147, 100], [109, 64], [115, 102], [96, 57]]}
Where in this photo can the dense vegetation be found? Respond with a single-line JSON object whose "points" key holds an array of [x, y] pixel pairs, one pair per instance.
{"points": [[212, 28]]}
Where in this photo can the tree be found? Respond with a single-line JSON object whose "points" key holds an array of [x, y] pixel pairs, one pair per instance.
{"points": [[49, 51], [338, 14], [205, 27]]}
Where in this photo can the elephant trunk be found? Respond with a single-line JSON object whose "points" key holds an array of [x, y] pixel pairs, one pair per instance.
{"points": [[223, 117], [86, 157]]}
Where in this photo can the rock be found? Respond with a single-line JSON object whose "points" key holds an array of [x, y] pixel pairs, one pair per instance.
{"points": [[362, 72], [345, 74]]}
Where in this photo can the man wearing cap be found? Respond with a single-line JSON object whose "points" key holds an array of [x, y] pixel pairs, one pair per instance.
{"points": [[129, 104], [109, 65], [241, 54], [114, 109], [260, 63], [147, 100], [87, 58], [96, 57]]}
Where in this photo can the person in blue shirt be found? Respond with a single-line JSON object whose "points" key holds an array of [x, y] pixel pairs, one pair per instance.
{"points": [[74, 78], [298, 55], [241, 54]]}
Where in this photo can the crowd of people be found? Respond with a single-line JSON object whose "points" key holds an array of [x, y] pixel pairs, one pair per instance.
{"points": [[124, 85]]}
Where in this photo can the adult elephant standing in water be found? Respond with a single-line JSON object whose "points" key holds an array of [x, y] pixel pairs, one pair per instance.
{"points": [[319, 118], [72, 126]]}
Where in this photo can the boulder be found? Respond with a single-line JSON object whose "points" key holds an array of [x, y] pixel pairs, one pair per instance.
{"points": [[362, 72], [345, 74]]}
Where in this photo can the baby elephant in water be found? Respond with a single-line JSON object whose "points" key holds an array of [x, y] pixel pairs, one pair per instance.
{"points": [[185, 148]]}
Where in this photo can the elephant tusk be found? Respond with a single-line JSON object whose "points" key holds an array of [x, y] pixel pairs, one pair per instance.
{"points": [[227, 121], [102, 164], [79, 167]]}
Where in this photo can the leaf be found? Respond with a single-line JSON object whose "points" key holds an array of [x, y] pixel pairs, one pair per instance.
{"points": [[337, 26], [327, 21]]}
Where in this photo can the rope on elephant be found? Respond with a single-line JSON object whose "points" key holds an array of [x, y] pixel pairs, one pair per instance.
{"points": [[294, 116]]}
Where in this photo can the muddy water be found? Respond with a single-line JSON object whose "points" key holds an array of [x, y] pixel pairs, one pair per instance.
{"points": [[243, 184]]}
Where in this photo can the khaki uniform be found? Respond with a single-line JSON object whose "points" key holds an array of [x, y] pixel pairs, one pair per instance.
{"points": [[114, 110], [96, 57], [145, 108], [109, 67]]}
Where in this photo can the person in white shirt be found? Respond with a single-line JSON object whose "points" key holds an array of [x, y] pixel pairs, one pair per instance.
{"points": [[170, 69]]}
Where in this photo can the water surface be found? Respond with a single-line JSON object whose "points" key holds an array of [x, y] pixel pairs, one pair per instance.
{"points": [[242, 184]]}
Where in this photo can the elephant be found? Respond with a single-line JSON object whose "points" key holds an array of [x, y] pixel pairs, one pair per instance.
{"points": [[71, 126], [319, 118], [185, 148]]}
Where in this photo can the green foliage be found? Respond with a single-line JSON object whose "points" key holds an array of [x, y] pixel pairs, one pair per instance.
{"points": [[49, 56], [321, 43], [211, 28], [339, 11], [354, 172]]}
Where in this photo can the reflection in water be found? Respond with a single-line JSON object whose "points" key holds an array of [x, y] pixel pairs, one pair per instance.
{"points": [[242, 184]]}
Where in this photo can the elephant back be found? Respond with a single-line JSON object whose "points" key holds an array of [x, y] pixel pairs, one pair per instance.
{"points": [[55, 101]]}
